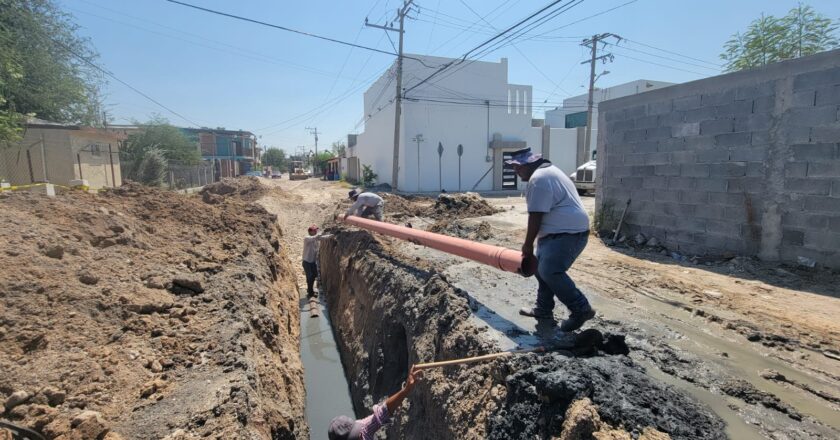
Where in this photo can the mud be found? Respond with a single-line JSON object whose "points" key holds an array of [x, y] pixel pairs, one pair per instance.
{"points": [[246, 188], [388, 314], [478, 232], [144, 314]]}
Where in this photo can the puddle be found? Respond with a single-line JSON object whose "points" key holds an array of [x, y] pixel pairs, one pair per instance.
{"points": [[327, 391]]}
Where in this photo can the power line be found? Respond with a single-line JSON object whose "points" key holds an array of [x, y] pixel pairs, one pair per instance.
{"points": [[662, 65], [485, 43], [675, 53], [666, 58], [584, 19]]}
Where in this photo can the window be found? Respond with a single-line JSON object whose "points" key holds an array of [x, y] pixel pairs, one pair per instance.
{"points": [[95, 150]]}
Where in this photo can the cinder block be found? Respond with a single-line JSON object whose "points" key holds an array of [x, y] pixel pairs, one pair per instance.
{"points": [[824, 169], [764, 104], [680, 182], [694, 170], [835, 188], [755, 169], [760, 138], [679, 236], [804, 98], [793, 237], [805, 220], [700, 114], [728, 169], [660, 107], [694, 197], [620, 171], [735, 108], [665, 221], [733, 139], [641, 195], [834, 224], [798, 135], [631, 182], [639, 218], [680, 209], [748, 154], [614, 115], [687, 102], [712, 212], [813, 116], [672, 144], [655, 182], [711, 185], [827, 95], [634, 135], [825, 134], [753, 91], [692, 224], [642, 170], [749, 185], [724, 243], [621, 126], [810, 152], [722, 227], [716, 126], [808, 186], [686, 129], [636, 111], [633, 159], [796, 169], [657, 158], [698, 142], [683, 157], [754, 122], [818, 78], [667, 170], [726, 199], [662, 195], [647, 121], [646, 147], [673, 118], [822, 240], [717, 98], [736, 213], [713, 155], [657, 133]]}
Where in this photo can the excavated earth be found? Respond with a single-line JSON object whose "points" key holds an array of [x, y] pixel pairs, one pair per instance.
{"points": [[139, 313], [388, 314]]}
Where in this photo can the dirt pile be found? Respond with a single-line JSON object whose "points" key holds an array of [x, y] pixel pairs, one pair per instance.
{"points": [[388, 314], [244, 188], [464, 205], [541, 389], [145, 314], [469, 231]]}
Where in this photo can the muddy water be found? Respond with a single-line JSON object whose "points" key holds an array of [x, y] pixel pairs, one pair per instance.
{"points": [[327, 391]]}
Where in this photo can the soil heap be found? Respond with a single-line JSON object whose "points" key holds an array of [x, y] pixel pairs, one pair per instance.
{"points": [[246, 188], [144, 314]]}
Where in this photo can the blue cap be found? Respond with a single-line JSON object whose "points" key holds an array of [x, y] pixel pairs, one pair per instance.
{"points": [[344, 428], [522, 157]]}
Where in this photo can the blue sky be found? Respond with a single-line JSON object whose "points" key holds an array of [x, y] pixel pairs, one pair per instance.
{"points": [[216, 71]]}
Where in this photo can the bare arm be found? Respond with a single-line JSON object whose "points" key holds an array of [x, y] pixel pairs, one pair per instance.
{"points": [[534, 223], [394, 402]]}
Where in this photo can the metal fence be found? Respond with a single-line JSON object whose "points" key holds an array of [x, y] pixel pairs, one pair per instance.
{"points": [[189, 176]]}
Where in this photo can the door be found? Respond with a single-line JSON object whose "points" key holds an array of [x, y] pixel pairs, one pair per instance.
{"points": [[509, 178]]}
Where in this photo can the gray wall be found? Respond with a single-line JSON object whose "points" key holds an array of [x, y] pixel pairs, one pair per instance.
{"points": [[746, 163]]}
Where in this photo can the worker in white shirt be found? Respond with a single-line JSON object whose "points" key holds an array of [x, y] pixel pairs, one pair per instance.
{"points": [[311, 246], [365, 204]]}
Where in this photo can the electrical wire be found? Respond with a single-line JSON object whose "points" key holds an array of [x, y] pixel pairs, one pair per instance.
{"points": [[662, 57], [584, 19], [662, 65], [674, 53]]}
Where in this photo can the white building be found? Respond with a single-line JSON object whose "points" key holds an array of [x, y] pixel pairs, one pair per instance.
{"points": [[469, 104], [573, 112]]}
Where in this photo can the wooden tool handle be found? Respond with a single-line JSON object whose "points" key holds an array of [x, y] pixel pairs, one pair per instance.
{"points": [[474, 359]]}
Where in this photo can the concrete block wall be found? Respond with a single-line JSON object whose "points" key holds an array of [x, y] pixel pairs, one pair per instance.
{"points": [[745, 163]]}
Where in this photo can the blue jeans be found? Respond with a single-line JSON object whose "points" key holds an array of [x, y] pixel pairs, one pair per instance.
{"points": [[555, 255]]}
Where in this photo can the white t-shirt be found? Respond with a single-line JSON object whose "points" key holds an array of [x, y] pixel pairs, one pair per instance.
{"points": [[553, 193], [365, 199], [310, 248]]}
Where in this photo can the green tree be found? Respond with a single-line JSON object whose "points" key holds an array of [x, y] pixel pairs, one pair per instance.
{"points": [[368, 176], [170, 140], [769, 39], [45, 67], [339, 149], [275, 157]]}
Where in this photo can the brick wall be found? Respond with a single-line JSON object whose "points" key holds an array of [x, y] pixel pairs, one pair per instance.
{"points": [[745, 163]]}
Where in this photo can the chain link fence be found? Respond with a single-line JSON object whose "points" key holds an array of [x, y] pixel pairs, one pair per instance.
{"points": [[179, 176]]}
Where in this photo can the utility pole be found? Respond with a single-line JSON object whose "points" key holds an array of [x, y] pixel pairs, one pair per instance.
{"points": [[592, 44], [314, 131], [401, 13], [418, 139]]}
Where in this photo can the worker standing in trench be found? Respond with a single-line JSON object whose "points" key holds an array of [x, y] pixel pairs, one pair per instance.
{"points": [[311, 246], [345, 428], [366, 204], [556, 216]]}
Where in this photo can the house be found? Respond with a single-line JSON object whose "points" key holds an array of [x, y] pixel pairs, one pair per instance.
{"points": [[61, 153], [232, 152], [456, 128], [573, 114]]}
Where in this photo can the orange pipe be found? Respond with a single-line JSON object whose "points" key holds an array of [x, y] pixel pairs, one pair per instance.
{"points": [[498, 257]]}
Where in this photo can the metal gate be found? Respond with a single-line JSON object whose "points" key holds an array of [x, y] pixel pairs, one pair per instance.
{"points": [[509, 178]]}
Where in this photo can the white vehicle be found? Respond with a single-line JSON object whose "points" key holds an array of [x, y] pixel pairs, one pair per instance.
{"points": [[584, 177]]}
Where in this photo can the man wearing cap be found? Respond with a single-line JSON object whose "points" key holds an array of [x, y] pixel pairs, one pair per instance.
{"points": [[556, 216], [310, 258], [345, 428], [366, 204]]}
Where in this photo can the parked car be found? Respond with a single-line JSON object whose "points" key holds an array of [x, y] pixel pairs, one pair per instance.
{"points": [[254, 173], [584, 177], [276, 175]]}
